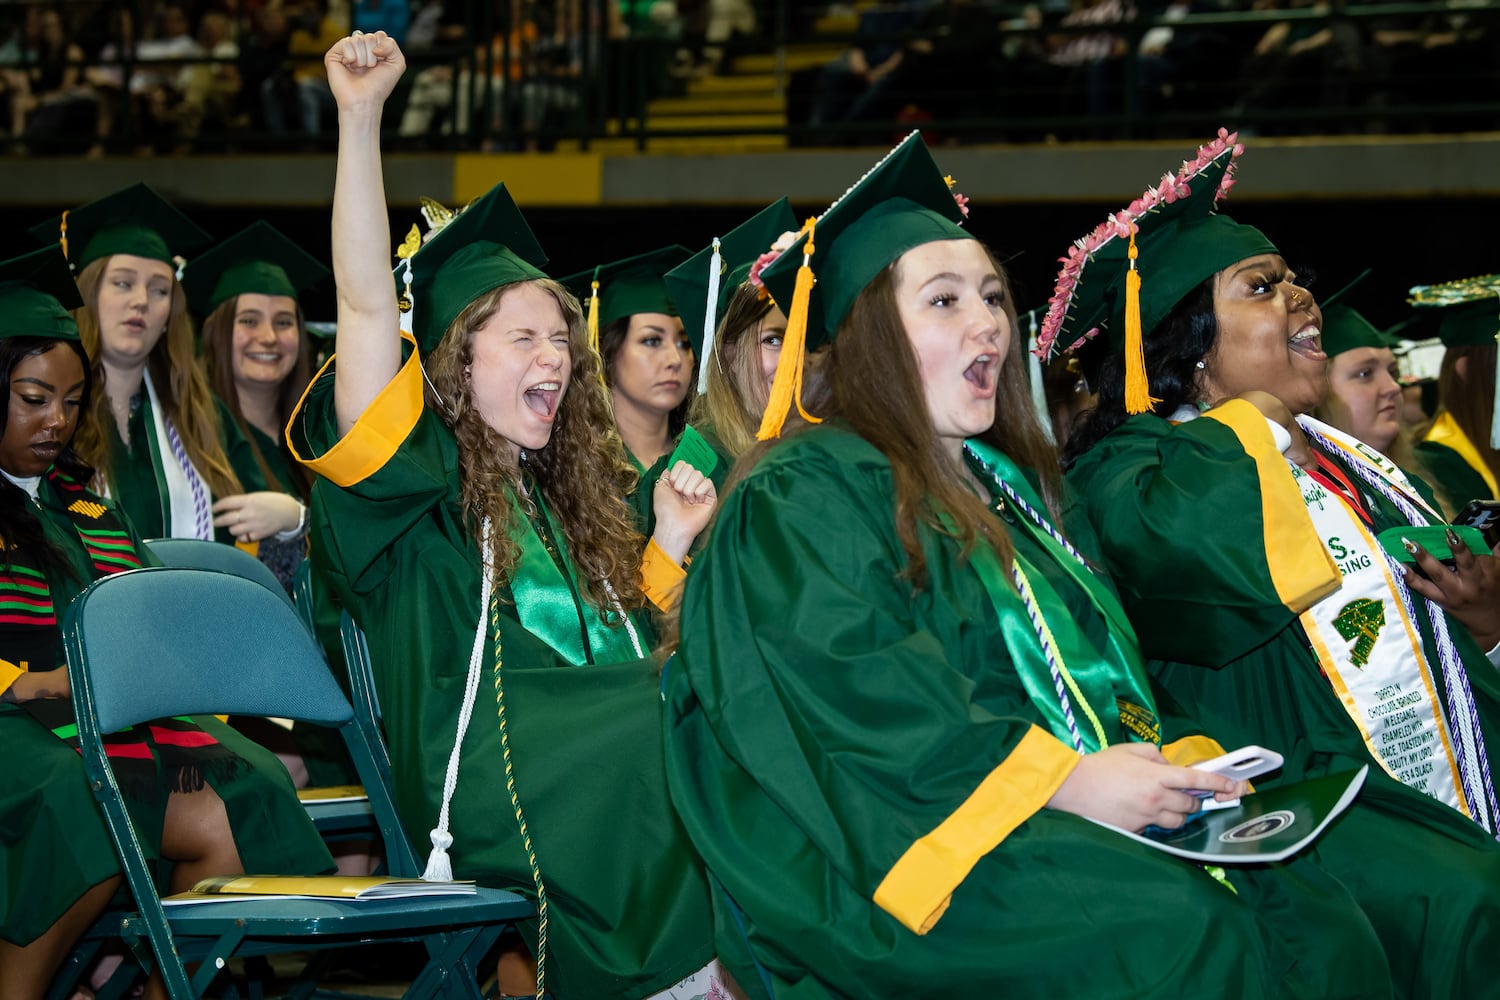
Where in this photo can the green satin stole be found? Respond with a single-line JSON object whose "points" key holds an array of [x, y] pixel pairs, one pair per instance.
{"points": [[548, 600], [1103, 686]]}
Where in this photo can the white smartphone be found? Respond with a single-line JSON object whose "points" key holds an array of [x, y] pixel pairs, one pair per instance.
{"points": [[1242, 764]]}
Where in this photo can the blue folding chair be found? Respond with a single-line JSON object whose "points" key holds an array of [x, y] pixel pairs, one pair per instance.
{"points": [[202, 553], [267, 665]]}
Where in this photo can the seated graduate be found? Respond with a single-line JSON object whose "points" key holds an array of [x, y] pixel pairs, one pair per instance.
{"points": [[161, 443], [470, 503], [203, 798], [901, 694], [736, 328], [1276, 581]]}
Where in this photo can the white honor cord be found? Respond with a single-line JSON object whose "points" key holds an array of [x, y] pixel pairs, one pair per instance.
{"points": [[439, 868], [710, 315], [635, 640]]}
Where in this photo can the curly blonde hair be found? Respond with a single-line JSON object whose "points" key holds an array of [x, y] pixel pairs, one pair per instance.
{"points": [[179, 382], [582, 470]]}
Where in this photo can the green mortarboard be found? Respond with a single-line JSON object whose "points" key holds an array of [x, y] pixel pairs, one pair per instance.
{"points": [[1468, 310], [1177, 242], [484, 246], [1468, 316], [256, 260], [135, 221], [37, 292], [902, 202], [629, 286], [689, 282], [1345, 328]]}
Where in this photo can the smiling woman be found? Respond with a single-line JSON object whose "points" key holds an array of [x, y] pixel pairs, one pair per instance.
{"points": [[1267, 563]]}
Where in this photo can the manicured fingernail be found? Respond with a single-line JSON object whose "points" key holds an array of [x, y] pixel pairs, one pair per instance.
{"points": [[1453, 538], [1411, 546]]}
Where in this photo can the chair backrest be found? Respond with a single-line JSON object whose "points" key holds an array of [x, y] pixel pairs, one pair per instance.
{"points": [[302, 593], [201, 553], [142, 639]]}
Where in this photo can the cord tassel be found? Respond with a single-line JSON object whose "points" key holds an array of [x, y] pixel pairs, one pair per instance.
{"points": [[1138, 398], [715, 266], [787, 388]]}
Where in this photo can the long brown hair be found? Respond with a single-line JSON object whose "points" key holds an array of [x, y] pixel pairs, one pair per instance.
{"points": [[582, 469], [218, 363], [1470, 396], [873, 350], [730, 404], [180, 386]]}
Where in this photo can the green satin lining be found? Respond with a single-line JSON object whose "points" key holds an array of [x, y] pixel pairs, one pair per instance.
{"points": [[1102, 680], [549, 603]]}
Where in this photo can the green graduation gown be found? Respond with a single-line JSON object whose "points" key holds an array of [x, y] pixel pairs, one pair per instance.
{"points": [[133, 478], [864, 772], [53, 841], [1181, 511], [629, 911], [1453, 474]]}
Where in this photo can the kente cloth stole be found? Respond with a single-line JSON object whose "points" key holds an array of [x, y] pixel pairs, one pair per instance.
{"points": [[170, 753], [1369, 643], [549, 603], [1087, 696]]}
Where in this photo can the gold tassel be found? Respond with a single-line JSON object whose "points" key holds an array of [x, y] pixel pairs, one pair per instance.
{"points": [[63, 236], [594, 313], [787, 388], [1138, 398]]}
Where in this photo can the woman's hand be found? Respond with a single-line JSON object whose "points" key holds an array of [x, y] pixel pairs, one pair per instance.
{"points": [[39, 685], [253, 516], [684, 500], [1131, 785], [1469, 592], [363, 70]]}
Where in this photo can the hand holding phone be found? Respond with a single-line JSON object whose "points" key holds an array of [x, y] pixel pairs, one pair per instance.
{"points": [[1243, 764]]}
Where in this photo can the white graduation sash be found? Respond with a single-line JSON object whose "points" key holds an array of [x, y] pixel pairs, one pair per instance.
{"points": [[185, 496]]}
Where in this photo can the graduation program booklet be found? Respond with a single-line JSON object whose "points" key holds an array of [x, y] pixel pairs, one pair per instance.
{"points": [[1266, 826], [356, 887]]}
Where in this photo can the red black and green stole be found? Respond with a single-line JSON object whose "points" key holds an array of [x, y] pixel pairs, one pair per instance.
{"points": [[170, 754]]}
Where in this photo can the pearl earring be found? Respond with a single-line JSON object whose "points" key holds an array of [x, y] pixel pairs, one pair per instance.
{"points": [[1201, 365]]}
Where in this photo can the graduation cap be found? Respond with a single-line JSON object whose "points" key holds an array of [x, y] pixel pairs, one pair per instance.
{"points": [[1345, 328], [484, 246], [1128, 274], [135, 221], [257, 260], [1468, 316], [626, 287], [702, 285], [37, 292], [903, 202]]}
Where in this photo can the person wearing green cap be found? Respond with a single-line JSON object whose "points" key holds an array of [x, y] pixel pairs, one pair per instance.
{"points": [[163, 444], [1459, 447], [470, 500], [257, 355], [1364, 396], [736, 327], [1280, 573], [901, 695], [204, 798], [649, 367]]}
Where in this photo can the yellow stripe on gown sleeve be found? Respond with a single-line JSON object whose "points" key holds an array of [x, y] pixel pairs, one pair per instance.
{"points": [[661, 577], [376, 435], [1301, 568], [9, 674], [918, 888], [1191, 750]]}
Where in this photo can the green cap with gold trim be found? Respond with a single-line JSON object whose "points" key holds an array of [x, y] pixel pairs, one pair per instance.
{"points": [[484, 246], [37, 294], [630, 286], [259, 260], [136, 221], [1468, 309], [688, 283], [903, 202]]}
